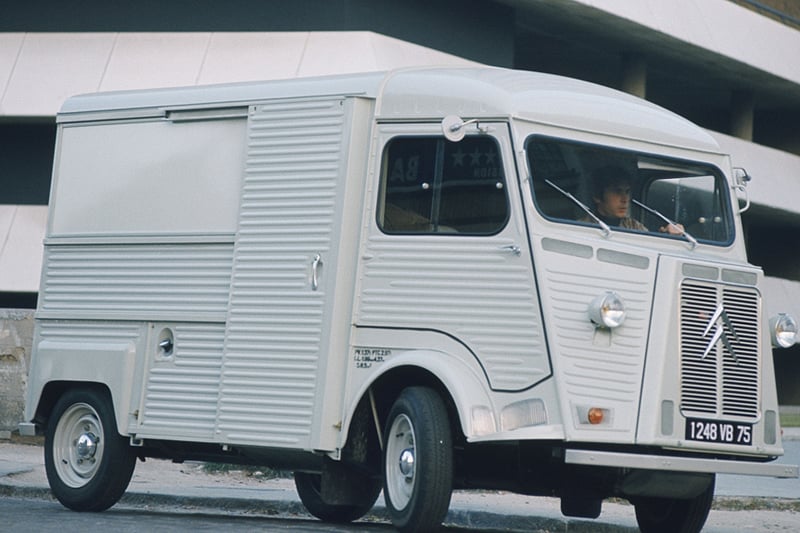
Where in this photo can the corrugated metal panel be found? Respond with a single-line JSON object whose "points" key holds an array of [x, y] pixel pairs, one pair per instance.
{"points": [[720, 375], [88, 332], [147, 282], [468, 287], [276, 322], [593, 364], [741, 374], [182, 391], [475, 289]]}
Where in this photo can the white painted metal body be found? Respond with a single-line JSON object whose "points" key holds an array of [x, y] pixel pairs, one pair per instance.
{"points": [[239, 222]]}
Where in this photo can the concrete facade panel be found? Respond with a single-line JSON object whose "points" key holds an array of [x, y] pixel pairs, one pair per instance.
{"points": [[775, 173], [331, 52], [719, 26], [782, 296], [22, 229], [235, 57], [53, 66], [141, 60], [10, 44]]}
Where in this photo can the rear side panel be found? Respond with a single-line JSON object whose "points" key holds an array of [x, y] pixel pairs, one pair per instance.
{"points": [[142, 221], [204, 270]]}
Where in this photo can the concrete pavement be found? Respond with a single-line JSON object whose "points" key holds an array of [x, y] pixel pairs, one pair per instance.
{"points": [[191, 486]]}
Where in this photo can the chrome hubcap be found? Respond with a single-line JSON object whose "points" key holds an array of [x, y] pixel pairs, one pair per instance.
{"points": [[86, 446], [407, 463]]}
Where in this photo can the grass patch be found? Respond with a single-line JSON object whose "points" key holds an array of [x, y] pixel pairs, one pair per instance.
{"points": [[790, 420], [756, 504], [262, 472]]}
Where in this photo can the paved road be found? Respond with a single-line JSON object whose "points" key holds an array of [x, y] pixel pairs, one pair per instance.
{"points": [[25, 514], [163, 494], [755, 486], [20, 514]]}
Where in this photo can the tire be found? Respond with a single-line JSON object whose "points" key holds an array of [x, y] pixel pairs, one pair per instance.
{"points": [[672, 515], [309, 488], [88, 464], [417, 461]]}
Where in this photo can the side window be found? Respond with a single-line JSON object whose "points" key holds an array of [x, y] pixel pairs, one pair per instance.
{"points": [[430, 185]]}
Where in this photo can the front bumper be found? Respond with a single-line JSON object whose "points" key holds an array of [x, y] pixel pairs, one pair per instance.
{"points": [[679, 464]]}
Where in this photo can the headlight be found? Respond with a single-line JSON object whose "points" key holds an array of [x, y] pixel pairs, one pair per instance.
{"points": [[607, 310], [784, 330]]}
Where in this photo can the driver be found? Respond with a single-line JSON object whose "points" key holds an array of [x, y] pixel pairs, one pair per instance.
{"points": [[612, 199]]}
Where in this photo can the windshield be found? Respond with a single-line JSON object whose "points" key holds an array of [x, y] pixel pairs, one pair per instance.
{"points": [[619, 190]]}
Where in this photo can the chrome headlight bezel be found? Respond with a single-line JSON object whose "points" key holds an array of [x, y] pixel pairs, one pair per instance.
{"points": [[783, 330], [607, 310]]}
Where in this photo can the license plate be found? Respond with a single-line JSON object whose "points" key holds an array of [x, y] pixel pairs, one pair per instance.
{"points": [[717, 431]]}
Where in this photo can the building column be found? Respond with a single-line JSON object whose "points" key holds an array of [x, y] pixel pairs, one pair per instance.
{"points": [[633, 76], [742, 112]]}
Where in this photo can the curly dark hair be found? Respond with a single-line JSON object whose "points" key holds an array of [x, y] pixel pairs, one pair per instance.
{"points": [[606, 176]]}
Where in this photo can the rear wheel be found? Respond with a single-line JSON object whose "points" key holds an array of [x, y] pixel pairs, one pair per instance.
{"points": [[418, 461], [88, 464], [672, 515], [309, 488]]}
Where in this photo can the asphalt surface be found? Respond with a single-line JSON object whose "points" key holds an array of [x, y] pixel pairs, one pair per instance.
{"points": [[771, 504]]}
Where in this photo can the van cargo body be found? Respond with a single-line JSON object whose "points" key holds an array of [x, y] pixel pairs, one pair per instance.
{"points": [[407, 282]]}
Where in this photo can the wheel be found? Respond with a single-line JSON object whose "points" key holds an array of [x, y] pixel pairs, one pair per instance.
{"points": [[672, 515], [88, 464], [417, 461], [309, 488]]}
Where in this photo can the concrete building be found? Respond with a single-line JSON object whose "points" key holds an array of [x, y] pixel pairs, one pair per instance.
{"points": [[729, 65]]}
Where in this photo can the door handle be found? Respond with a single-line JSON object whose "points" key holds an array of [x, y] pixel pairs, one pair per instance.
{"points": [[315, 267], [512, 248]]}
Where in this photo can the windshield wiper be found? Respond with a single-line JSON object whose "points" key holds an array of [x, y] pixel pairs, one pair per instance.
{"points": [[606, 228], [684, 233]]}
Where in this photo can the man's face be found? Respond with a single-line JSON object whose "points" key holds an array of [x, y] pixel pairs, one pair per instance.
{"points": [[615, 201]]}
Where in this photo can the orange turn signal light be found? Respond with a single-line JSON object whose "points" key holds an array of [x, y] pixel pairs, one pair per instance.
{"points": [[595, 415]]}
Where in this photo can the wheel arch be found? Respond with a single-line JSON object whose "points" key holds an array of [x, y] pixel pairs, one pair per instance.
{"points": [[461, 388], [53, 390], [59, 366], [388, 386]]}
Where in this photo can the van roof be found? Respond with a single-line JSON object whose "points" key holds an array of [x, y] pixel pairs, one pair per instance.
{"points": [[429, 93]]}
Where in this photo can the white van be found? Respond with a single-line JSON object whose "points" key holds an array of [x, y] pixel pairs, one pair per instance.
{"points": [[408, 282]]}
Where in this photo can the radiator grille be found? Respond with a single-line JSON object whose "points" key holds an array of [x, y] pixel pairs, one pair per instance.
{"points": [[719, 350]]}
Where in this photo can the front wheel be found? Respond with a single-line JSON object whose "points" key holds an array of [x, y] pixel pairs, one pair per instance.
{"points": [[88, 464], [418, 461], [672, 515]]}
